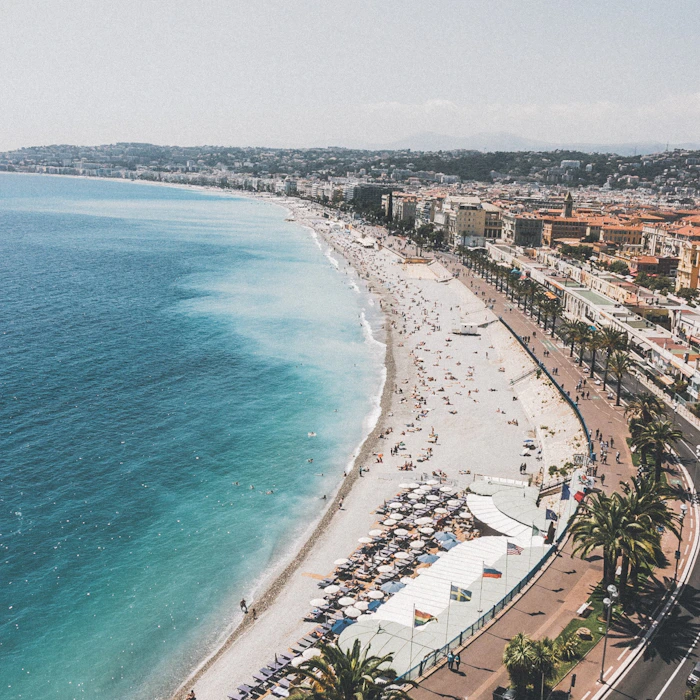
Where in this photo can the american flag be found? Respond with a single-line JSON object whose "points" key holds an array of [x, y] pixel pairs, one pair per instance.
{"points": [[514, 549]]}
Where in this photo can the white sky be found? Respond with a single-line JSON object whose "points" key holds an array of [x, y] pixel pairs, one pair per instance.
{"points": [[328, 72]]}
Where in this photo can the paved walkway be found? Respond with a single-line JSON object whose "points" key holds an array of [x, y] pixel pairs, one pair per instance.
{"points": [[551, 602]]}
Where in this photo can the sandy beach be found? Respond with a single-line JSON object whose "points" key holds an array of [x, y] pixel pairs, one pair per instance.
{"points": [[476, 393]]}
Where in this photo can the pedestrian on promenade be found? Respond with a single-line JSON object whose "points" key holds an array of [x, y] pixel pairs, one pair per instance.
{"points": [[612, 441], [456, 662], [602, 479], [450, 660], [617, 457]]}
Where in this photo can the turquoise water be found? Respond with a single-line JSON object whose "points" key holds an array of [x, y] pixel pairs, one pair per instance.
{"points": [[161, 350]]}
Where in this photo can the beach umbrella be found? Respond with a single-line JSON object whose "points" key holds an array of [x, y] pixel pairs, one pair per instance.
{"points": [[414, 496], [392, 587], [345, 601], [385, 568], [413, 485], [400, 531], [418, 506], [375, 533], [318, 602], [297, 661], [313, 651], [432, 482], [398, 517], [395, 505], [424, 521], [432, 498], [448, 544], [365, 540], [337, 628], [375, 595], [441, 511], [417, 544], [330, 590], [405, 486], [406, 579], [401, 555], [361, 605], [428, 558], [454, 502], [447, 489], [444, 536], [389, 522], [466, 515], [426, 530], [341, 562], [352, 613]]}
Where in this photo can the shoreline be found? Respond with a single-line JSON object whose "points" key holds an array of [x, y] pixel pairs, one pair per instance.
{"points": [[344, 488]]}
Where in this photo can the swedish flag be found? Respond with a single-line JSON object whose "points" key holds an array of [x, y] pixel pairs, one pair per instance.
{"points": [[461, 595]]}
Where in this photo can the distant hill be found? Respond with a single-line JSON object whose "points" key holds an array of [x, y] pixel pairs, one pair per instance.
{"points": [[503, 141]]}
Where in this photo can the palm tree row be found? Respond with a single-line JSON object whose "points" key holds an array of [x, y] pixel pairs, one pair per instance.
{"points": [[626, 527]]}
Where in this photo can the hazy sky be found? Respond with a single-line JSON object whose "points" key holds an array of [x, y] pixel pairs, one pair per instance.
{"points": [[328, 72]]}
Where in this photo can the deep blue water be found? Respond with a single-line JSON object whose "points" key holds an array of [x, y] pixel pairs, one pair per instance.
{"points": [[158, 345]]}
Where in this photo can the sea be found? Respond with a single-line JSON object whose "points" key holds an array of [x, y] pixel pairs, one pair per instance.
{"points": [[165, 354]]}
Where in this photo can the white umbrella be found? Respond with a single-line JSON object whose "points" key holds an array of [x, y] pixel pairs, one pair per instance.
{"points": [[441, 511], [345, 601], [352, 612], [376, 595], [389, 522], [297, 661], [405, 486], [426, 530], [453, 502], [432, 482], [432, 498], [398, 516], [385, 568], [424, 521], [466, 515], [318, 602], [417, 544], [400, 531], [365, 540], [340, 562], [330, 590], [414, 496], [447, 489], [414, 485], [401, 555], [395, 505], [406, 579], [311, 652], [375, 533], [361, 605]]}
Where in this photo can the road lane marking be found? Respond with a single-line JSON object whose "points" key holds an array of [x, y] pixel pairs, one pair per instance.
{"points": [[626, 651], [680, 666], [586, 695], [608, 671]]}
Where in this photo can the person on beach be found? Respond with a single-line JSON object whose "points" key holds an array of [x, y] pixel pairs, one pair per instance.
{"points": [[191, 695], [244, 606]]}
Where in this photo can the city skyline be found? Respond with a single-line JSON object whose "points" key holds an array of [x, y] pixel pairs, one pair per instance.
{"points": [[369, 74]]}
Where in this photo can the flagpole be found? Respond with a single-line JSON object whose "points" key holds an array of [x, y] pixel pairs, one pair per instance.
{"points": [[447, 626], [481, 585], [505, 575], [413, 626], [529, 553]]}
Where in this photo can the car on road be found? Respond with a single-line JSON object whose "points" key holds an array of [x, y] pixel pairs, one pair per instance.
{"points": [[694, 676]]}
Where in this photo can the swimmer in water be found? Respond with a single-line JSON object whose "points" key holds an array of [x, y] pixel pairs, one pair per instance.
{"points": [[310, 460]]}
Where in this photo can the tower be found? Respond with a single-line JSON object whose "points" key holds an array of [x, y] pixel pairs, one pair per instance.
{"points": [[568, 210]]}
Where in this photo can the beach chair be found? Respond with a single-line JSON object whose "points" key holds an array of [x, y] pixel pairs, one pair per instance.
{"points": [[236, 696]]}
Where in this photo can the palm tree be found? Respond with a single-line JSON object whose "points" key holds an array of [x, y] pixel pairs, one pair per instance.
{"points": [[519, 659], [584, 334], [611, 340], [640, 411], [546, 660], [350, 675], [568, 331], [595, 343], [620, 364], [597, 526], [658, 437]]}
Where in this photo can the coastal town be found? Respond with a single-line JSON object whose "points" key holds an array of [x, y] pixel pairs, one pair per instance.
{"points": [[567, 312]]}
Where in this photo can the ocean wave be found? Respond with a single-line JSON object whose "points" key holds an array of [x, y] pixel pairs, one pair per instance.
{"points": [[333, 261]]}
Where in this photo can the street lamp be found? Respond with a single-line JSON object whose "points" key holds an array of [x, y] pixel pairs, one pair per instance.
{"points": [[608, 602], [684, 510]]}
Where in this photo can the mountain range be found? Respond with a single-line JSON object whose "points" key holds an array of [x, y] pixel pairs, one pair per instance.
{"points": [[504, 141]]}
